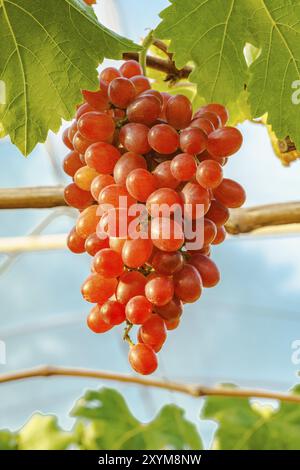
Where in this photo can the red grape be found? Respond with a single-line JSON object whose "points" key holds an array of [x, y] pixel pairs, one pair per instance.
{"points": [[76, 197], [100, 182], [160, 290], [98, 100], [193, 196], [87, 221], [163, 139], [128, 162], [134, 137], [145, 109], [72, 163], [140, 184], [153, 332], [207, 269], [193, 140], [230, 193], [84, 177], [171, 310], [113, 312], [218, 213], [108, 263], [95, 321], [96, 126], [102, 157], [224, 142], [138, 310], [107, 75], [75, 243], [167, 263], [121, 92], [188, 284], [142, 359], [209, 174], [97, 289], [179, 111], [183, 167], [66, 140], [141, 83], [164, 177], [130, 68], [131, 284], [93, 243], [166, 234]]}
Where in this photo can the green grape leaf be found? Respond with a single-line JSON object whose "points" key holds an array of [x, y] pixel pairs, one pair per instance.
{"points": [[273, 86], [105, 422], [8, 440], [43, 433], [249, 426], [239, 45], [212, 35], [49, 51], [170, 429]]}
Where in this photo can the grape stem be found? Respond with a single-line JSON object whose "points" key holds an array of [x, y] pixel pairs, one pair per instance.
{"points": [[147, 42], [126, 336], [197, 391], [166, 66]]}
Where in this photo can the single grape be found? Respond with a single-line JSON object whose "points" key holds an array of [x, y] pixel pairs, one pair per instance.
{"points": [[210, 231], [115, 222], [142, 359], [130, 68], [172, 324], [218, 109], [76, 197], [204, 124], [145, 110], [106, 77], [167, 263], [218, 213], [164, 177], [113, 312], [166, 234], [171, 311], [98, 100], [210, 116], [179, 111], [83, 109], [72, 163], [87, 222], [141, 83], [97, 289], [224, 142], [95, 321], [193, 140], [188, 284], [138, 310], [93, 243], [134, 137], [207, 269], [153, 332], [183, 167], [96, 126], [135, 253], [164, 200], [195, 195], [220, 236], [66, 140], [128, 162], [140, 183], [108, 263], [155, 93], [102, 157], [99, 183], [75, 243], [230, 193], [110, 195], [84, 177], [80, 143], [117, 243], [160, 290], [209, 174], [131, 284], [163, 139], [121, 92]]}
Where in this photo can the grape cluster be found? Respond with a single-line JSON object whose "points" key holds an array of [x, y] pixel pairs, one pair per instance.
{"points": [[131, 141]]}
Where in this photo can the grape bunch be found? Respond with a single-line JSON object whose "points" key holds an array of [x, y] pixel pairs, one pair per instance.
{"points": [[132, 142]]}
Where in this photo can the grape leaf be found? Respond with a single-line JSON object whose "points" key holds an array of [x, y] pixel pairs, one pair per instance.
{"points": [[236, 45], [43, 433], [105, 422], [213, 35], [8, 440], [49, 51], [247, 426], [276, 28]]}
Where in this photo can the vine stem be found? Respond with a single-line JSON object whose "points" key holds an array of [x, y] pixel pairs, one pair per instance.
{"points": [[143, 54], [192, 390], [166, 66]]}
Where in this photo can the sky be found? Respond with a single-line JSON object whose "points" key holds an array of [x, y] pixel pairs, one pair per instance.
{"points": [[239, 332]]}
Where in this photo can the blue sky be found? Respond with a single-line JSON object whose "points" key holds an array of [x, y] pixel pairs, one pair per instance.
{"points": [[241, 331]]}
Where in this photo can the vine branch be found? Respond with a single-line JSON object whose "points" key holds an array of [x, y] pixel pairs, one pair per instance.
{"points": [[166, 66], [192, 390], [244, 220]]}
